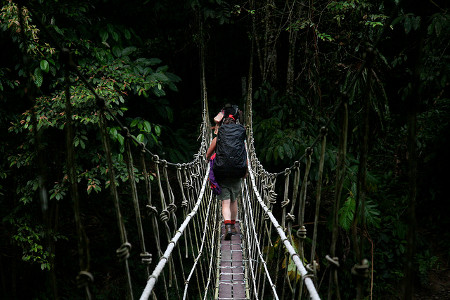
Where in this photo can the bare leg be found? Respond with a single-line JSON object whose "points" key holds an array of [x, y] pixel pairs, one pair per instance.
{"points": [[226, 211], [233, 210]]}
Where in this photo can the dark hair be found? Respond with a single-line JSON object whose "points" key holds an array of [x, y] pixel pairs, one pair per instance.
{"points": [[230, 110], [228, 121]]}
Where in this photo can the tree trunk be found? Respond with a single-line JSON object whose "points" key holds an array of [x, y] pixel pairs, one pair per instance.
{"points": [[270, 50], [292, 41], [359, 217], [413, 105], [340, 177]]}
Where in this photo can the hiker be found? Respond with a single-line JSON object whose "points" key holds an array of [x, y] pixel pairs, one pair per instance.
{"points": [[230, 163]]}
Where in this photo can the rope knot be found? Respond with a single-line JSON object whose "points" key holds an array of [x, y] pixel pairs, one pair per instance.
{"points": [[284, 203], [290, 217], [126, 132], [84, 278], [172, 207], [323, 130], [184, 203], [142, 145], [146, 258], [151, 209], [314, 265], [361, 270], [272, 197], [333, 260], [124, 251], [155, 158], [301, 233], [164, 216], [309, 151]]}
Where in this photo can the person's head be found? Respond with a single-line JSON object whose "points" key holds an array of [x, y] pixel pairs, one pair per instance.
{"points": [[230, 114]]}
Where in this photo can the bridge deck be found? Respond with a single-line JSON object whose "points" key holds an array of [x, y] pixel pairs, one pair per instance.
{"points": [[232, 280]]}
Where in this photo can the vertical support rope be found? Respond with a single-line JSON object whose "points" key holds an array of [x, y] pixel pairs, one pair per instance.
{"points": [[290, 216], [145, 256], [84, 277], [124, 251], [304, 188], [152, 211], [286, 200], [301, 232], [318, 195], [340, 176]]}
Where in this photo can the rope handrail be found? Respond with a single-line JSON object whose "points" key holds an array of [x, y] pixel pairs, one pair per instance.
{"points": [[294, 256], [252, 227], [158, 269], [205, 230]]}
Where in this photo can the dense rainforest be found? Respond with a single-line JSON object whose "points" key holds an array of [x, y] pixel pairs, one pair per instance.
{"points": [[387, 60]]}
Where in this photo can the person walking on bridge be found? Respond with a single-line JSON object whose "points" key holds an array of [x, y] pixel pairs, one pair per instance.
{"points": [[230, 162]]}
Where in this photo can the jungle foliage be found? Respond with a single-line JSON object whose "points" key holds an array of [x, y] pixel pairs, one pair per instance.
{"points": [[388, 60]]}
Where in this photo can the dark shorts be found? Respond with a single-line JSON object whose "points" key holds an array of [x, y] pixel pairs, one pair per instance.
{"points": [[231, 189]]}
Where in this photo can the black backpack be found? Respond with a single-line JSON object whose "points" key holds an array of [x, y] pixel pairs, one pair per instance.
{"points": [[231, 157]]}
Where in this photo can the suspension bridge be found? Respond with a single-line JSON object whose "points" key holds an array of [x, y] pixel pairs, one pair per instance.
{"points": [[266, 259], [272, 255]]}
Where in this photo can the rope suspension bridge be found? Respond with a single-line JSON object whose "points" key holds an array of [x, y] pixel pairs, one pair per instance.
{"points": [[254, 264], [268, 258]]}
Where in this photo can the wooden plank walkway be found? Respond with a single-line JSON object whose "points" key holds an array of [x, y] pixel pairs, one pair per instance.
{"points": [[232, 279]]}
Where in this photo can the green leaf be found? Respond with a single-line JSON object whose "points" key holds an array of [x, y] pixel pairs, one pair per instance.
{"points": [[157, 130], [121, 139], [160, 77], [140, 138], [44, 66], [169, 114], [346, 213], [134, 122], [104, 35], [280, 151], [113, 132], [158, 92], [38, 79], [115, 36], [287, 150], [154, 61], [117, 51], [127, 34], [147, 126], [437, 28], [128, 50], [407, 25]]}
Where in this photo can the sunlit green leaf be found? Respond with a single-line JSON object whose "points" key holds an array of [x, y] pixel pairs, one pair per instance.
{"points": [[44, 65]]}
